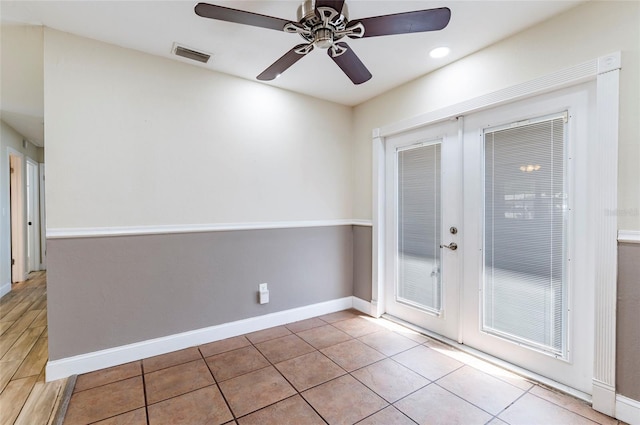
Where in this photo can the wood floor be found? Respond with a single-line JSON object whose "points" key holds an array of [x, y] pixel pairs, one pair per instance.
{"points": [[25, 397]]}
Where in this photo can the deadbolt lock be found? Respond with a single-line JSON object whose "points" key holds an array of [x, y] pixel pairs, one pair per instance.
{"points": [[453, 230]]}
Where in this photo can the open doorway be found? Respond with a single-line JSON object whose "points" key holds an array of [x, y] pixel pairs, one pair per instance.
{"points": [[25, 216], [33, 216]]}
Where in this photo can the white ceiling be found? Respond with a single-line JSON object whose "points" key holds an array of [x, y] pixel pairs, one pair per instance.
{"points": [[245, 51]]}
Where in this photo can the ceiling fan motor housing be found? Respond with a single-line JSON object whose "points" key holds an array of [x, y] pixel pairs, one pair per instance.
{"points": [[321, 30]]}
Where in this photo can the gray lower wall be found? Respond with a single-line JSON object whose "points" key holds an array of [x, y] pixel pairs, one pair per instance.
{"points": [[110, 291], [628, 321], [362, 262]]}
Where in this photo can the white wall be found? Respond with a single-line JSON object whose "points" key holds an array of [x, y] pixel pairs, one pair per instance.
{"points": [[580, 34], [134, 139], [22, 82]]}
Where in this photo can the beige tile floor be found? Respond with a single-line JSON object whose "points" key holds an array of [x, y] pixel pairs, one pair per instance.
{"points": [[341, 368]]}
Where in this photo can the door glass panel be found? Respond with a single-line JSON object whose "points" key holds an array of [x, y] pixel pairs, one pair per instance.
{"points": [[525, 203], [419, 277]]}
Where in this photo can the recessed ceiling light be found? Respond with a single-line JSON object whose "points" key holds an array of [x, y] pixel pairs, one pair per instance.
{"points": [[439, 52]]}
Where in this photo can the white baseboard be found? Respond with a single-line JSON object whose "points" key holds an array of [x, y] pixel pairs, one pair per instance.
{"points": [[627, 410], [83, 363], [362, 305], [603, 398], [5, 289]]}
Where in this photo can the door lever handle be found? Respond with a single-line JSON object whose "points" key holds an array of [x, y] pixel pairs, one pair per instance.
{"points": [[452, 246]]}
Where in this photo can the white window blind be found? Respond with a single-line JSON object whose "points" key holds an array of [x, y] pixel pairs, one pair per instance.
{"points": [[419, 282], [525, 202]]}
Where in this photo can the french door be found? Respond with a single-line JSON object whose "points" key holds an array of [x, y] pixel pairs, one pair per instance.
{"points": [[504, 187], [424, 214]]}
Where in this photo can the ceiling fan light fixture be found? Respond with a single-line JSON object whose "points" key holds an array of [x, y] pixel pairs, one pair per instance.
{"points": [[439, 52], [323, 38]]}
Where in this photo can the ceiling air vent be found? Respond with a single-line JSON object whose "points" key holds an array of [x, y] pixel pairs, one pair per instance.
{"points": [[192, 54]]}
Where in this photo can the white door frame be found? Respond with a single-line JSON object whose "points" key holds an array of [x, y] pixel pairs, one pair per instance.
{"points": [[18, 214], [606, 71]]}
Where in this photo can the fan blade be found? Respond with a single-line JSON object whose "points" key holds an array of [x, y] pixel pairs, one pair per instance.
{"points": [[285, 62], [334, 4], [350, 64], [408, 22], [239, 16]]}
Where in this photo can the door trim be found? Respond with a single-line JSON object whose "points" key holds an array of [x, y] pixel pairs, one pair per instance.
{"points": [[605, 70]]}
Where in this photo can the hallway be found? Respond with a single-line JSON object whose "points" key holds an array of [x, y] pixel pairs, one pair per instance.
{"points": [[25, 398]]}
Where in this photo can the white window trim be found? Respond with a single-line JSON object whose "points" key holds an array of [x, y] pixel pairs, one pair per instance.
{"points": [[606, 71]]}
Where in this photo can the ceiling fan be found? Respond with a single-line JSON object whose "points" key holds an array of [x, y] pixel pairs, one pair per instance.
{"points": [[322, 24]]}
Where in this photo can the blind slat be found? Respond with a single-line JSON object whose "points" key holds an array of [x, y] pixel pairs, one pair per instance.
{"points": [[419, 205], [524, 245]]}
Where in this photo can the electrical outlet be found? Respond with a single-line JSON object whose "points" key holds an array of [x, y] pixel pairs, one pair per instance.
{"points": [[263, 293]]}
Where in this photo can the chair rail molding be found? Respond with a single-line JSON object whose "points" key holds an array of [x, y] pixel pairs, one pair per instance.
{"points": [[93, 232], [629, 236]]}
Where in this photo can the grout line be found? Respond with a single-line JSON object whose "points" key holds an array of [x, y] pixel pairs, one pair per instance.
{"points": [[511, 404], [217, 384], [411, 393], [111, 382], [313, 408], [386, 407], [449, 373], [473, 404], [115, 416], [270, 364], [562, 407]]}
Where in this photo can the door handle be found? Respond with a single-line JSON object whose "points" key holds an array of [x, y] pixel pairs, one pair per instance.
{"points": [[452, 246]]}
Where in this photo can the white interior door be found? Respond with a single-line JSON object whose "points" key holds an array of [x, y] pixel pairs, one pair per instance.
{"points": [[423, 192]]}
